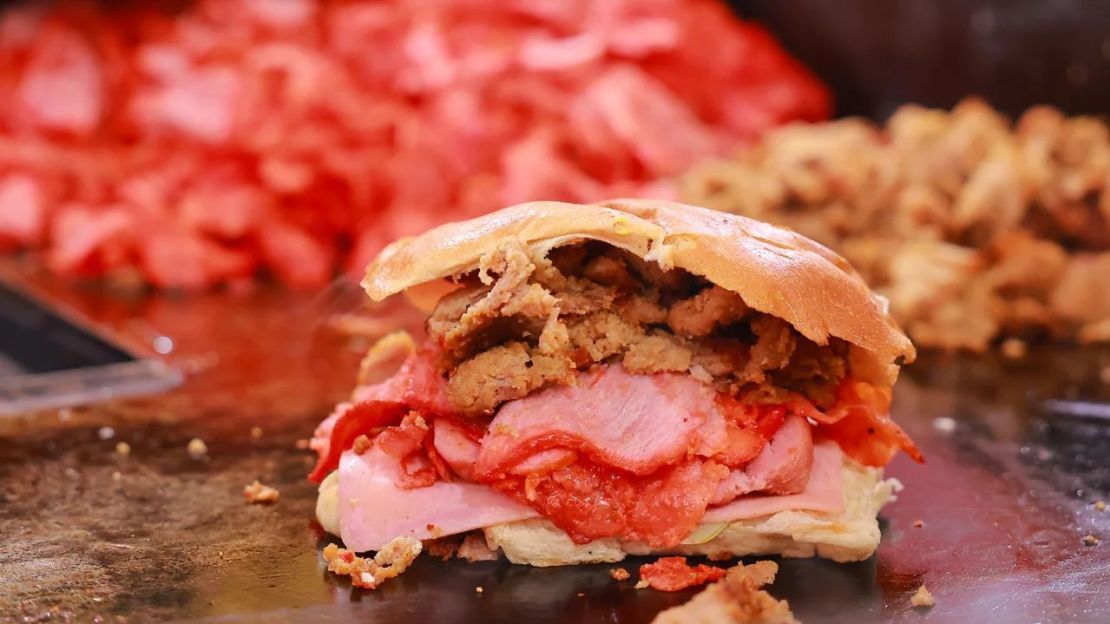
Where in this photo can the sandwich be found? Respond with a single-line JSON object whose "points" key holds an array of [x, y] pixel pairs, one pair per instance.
{"points": [[625, 378]]}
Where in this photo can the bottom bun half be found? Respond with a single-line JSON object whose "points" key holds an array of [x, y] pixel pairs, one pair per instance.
{"points": [[852, 535]]}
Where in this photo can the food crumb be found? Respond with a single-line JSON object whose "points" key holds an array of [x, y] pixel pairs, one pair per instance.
{"points": [[641, 584], [392, 560], [361, 444], [944, 424], [674, 574], [442, 548], [301, 444], [580, 594], [106, 433], [197, 448], [116, 476], [474, 548], [256, 432], [917, 524], [923, 598], [258, 493], [1014, 348], [123, 448], [723, 555], [479, 589], [1100, 505], [1090, 540], [619, 574]]}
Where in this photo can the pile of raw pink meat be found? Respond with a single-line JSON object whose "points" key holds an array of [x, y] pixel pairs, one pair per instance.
{"points": [[212, 143]]}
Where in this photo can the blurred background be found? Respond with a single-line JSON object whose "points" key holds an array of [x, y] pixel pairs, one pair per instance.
{"points": [[187, 146]]}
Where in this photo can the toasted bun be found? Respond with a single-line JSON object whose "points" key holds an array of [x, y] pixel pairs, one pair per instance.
{"points": [[773, 270], [852, 535]]}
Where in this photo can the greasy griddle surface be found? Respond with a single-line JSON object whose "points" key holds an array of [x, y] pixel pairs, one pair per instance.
{"points": [[1005, 498]]}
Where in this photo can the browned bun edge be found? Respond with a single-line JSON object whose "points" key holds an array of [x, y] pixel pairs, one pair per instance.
{"points": [[774, 271]]}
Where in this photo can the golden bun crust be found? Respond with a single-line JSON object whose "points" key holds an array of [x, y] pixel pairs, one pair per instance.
{"points": [[773, 270]]}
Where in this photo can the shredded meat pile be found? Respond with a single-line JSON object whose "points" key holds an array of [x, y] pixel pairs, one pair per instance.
{"points": [[204, 143], [976, 230], [522, 323]]}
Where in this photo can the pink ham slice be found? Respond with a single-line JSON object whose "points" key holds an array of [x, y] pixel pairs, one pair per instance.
{"points": [[416, 386], [823, 492], [373, 510], [639, 423], [455, 447], [782, 467]]}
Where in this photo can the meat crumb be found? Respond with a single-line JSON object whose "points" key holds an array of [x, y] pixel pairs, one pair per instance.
{"points": [[673, 574], [1100, 505], [1014, 348], [736, 599], [123, 448], [256, 432], [917, 524], [258, 493], [116, 476], [361, 445], [1090, 540], [391, 561], [478, 589], [474, 548], [444, 549], [619, 574], [641, 584], [197, 448], [922, 598], [301, 444]]}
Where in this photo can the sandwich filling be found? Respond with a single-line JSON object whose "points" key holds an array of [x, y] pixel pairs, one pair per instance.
{"points": [[614, 399]]}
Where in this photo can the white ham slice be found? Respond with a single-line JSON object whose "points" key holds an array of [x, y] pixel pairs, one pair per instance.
{"points": [[637, 422], [373, 510], [782, 467], [824, 492]]}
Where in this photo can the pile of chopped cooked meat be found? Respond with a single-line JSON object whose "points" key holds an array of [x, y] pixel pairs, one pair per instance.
{"points": [[977, 231], [603, 394], [216, 139]]}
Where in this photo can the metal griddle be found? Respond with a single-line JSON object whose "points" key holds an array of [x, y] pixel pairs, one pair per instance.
{"points": [[51, 358], [1006, 498]]}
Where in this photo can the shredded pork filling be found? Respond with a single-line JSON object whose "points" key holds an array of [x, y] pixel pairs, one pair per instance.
{"points": [[520, 324]]}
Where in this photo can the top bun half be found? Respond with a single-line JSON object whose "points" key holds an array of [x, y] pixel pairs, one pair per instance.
{"points": [[774, 271]]}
